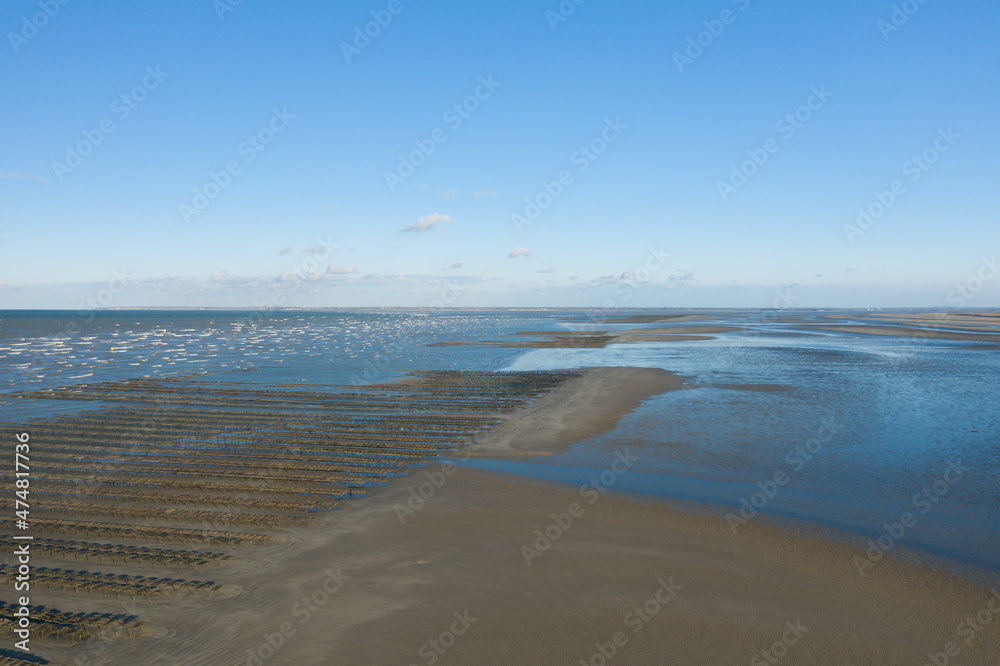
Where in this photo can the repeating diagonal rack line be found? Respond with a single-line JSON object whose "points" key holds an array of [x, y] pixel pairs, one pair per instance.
{"points": [[167, 460]]}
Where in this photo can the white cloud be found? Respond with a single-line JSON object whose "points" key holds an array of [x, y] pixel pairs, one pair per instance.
{"points": [[219, 276], [341, 270], [285, 250], [679, 279], [428, 222], [520, 252], [458, 264], [485, 276], [483, 193], [19, 176], [450, 194], [547, 270]]}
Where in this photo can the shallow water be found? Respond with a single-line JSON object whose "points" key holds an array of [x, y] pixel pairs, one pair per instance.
{"points": [[898, 411]]}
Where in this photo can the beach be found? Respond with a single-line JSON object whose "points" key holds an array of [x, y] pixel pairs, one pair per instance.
{"points": [[452, 565], [383, 590]]}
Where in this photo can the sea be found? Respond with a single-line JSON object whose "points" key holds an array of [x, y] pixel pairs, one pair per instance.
{"points": [[862, 430]]}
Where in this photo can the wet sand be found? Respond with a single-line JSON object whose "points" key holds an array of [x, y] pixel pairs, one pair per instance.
{"points": [[899, 331], [584, 406], [981, 321], [459, 566], [401, 573], [599, 339]]}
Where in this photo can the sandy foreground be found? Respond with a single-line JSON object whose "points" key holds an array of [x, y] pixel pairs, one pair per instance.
{"points": [[458, 566]]}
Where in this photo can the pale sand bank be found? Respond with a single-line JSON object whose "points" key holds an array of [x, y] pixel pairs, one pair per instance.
{"points": [[899, 331], [582, 407]]}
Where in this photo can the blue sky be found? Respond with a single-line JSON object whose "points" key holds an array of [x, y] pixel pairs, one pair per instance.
{"points": [[642, 138]]}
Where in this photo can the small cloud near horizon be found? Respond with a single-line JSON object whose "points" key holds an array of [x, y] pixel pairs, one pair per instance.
{"points": [[679, 279], [548, 270], [22, 176], [285, 250], [428, 222], [483, 193], [458, 264], [520, 252], [341, 270], [485, 276]]}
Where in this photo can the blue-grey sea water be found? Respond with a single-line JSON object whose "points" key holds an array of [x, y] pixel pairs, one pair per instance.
{"points": [[904, 410]]}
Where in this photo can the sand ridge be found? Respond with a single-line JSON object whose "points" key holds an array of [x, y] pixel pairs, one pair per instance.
{"points": [[583, 407]]}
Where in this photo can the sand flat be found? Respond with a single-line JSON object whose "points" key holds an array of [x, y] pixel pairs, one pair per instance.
{"points": [[586, 406], [461, 552], [377, 581], [899, 331]]}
